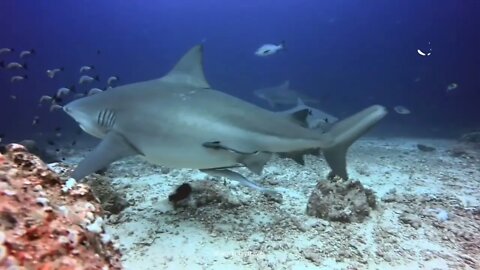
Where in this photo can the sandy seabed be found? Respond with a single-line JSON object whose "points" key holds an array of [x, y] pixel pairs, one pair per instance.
{"points": [[427, 216]]}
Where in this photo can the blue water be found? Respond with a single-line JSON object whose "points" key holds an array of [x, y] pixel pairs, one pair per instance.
{"points": [[349, 54]]}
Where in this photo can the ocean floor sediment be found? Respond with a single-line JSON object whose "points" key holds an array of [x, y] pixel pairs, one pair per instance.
{"points": [[427, 213]]}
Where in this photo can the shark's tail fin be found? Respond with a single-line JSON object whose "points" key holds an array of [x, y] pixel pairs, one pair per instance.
{"points": [[347, 131]]}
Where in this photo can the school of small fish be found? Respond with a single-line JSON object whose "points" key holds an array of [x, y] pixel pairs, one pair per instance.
{"points": [[57, 97]]}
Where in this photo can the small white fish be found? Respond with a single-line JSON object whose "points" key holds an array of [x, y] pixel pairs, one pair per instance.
{"points": [[423, 53], [112, 79], [15, 65], [36, 118], [269, 49], [13, 97], [55, 107], [401, 110], [452, 87], [63, 92], [87, 79], [26, 53], [18, 78], [52, 72], [6, 50], [86, 68], [94, 91], [45, 98]]}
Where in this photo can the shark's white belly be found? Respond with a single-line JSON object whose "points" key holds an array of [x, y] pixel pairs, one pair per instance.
{"points": [[193, 156]]}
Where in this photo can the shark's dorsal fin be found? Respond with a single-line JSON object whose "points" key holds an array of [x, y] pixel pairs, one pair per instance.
{"points": [[285, 85], [300, 103], [189, 70]]}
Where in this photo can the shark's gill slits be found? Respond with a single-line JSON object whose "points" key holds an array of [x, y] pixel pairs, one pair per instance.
{"points": [[106, 118]]}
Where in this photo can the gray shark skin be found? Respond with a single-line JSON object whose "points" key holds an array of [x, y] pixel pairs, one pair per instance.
{"points": [[179, 121], [282, 95], [310, 117]]}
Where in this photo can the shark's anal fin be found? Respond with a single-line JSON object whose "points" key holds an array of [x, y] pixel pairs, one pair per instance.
{"points": [[113, 147], [254, 161], [239, 178]]}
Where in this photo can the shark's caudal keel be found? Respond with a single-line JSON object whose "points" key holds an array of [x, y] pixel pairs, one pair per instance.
{"points": [[179, 121]]}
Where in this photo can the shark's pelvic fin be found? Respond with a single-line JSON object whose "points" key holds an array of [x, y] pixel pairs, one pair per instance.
{"points": [[113, 147], [345, 132], [254, 161], [189, 70]]}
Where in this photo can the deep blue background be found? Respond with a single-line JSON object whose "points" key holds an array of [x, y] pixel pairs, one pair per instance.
{"points": [[348, 53]]}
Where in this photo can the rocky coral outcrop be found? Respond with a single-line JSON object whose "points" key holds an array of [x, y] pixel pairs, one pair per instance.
{"points": [[46, 223], [341, 200]]}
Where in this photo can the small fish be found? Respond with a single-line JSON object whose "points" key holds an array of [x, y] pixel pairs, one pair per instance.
{"points": [[50, 142], [88, 79], [112, 79], [27, 53], [52, 72], [94, 91], [55, 107], [16, 65], [57, 129], [58, 134], [452, 87], [6, 50], [36, 119], [45, 98], [401, 110], [74, 143], [423, 53], [18, 78], [269, 49], [62, 92], [99, 52], [86, 68], [13, 97], [78, 95]]}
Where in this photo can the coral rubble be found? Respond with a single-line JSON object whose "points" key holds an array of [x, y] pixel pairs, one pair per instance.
{"points": [[45, 226], [341, 200]]}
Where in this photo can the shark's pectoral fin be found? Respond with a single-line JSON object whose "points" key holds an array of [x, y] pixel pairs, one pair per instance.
{"points": [[239, 178], [253, 160], [113, 147]]}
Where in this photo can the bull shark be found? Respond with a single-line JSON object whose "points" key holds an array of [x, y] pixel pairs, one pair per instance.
{"points": [[179, 121], [282, 95]]}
